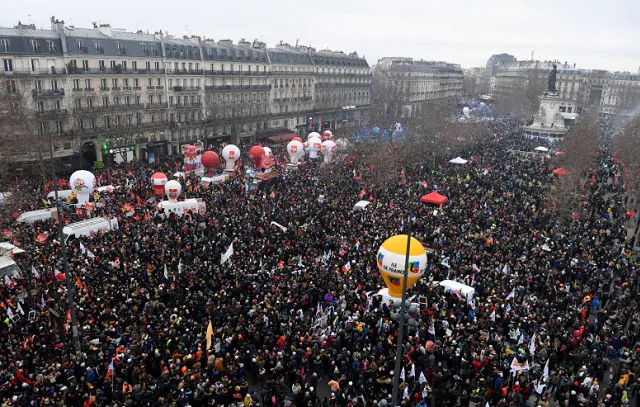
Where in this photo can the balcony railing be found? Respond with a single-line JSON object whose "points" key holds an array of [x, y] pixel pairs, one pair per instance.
{"points": [[185, 72], [186, 88], [104, 88], [187, 105], [49, 71], [50, 114], [105, 71], [47, 92], [238, 87]]}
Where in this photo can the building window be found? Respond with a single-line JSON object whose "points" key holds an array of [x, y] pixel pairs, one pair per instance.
{"points": [[5, 45], [136, 83], [103, 84], [125, 82], [105, 101], [87, 84], [120, 48], [8, 65], [59, 127], [51, 45], [35, 46], [54, 84], [34, 65], [170, 100], [85, 65], [101, 65], [11, 87], [81, 46], [76, 84], [114, 83], [147, 66], [124, 66], [157, 66], [134, 66]]}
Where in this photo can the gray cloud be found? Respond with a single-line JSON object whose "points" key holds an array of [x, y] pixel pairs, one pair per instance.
{"points": [[591, 33]]}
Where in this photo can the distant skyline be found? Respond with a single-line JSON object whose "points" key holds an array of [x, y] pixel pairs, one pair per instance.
{"points": [[591, 33]]}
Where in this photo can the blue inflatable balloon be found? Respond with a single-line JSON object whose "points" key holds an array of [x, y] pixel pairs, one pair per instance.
{"points": [[376, 130]]}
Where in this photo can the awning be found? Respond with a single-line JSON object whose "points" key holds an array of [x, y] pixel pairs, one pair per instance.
{"points": [[282, 137]]}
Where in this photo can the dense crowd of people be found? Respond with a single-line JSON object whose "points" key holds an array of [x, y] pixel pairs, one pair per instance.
{"points": [[553, 319]]}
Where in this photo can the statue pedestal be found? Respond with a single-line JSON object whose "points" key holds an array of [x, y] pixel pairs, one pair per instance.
{"points": [[548, 123]]}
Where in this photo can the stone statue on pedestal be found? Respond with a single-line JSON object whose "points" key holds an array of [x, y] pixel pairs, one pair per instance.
{"points": [[552, 79]]}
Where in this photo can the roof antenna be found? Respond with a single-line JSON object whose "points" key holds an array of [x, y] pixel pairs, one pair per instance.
{"points": [[29, 18]]}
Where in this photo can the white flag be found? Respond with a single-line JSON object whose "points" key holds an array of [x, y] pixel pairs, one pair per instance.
{"points": [[512, 294], [412, 373], [539, 387], [10, 313], [402, 374], [422, 379], [35, 272], [475, 267], [405, 394], [545, 372], [227, 255], [180, 266], [166, 272], [6, 280], [83, 249], [445, 263], [493, 316], [487, 405], [20, 310], [532, 345], [505, 269]]}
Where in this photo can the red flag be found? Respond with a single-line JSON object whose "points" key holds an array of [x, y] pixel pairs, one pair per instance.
{"points": [[117, 262], [41, 238], [404, 178], [362, 193], [7, 233], [78, 283], [59, 276]]}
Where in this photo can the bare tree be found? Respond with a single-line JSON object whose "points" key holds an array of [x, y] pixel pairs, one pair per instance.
{"points": [[24, 132], [581, 146], [209, 117], [124, 125], [389, 99], [523, 92]]}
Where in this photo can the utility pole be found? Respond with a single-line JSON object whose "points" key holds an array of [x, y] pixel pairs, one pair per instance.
{"points": [[400, 346], [65, 263]]}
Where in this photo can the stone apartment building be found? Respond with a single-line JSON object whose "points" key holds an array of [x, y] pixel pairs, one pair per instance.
{"points": [[105, 94]]}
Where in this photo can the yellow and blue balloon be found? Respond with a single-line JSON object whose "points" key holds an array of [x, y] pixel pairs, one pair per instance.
{"points": [[391, 261]]}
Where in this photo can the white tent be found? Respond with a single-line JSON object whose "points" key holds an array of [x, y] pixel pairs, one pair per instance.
{"points": [[361, 205], [458, 160], [542, 149], [454, 286]]}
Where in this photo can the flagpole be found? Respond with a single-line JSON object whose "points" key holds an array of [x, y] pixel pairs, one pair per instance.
{"points": [[65, 262], [399, 347]]}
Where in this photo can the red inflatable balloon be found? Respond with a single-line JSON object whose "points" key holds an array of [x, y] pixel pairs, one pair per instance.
{"points": [[297, 139], [210, 160], [256, 153]]}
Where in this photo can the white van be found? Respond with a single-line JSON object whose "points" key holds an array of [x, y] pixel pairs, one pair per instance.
{"points": [[419, 301], [64, 194], [454, 286], [89, 227], [34, 216], [182, 207]]}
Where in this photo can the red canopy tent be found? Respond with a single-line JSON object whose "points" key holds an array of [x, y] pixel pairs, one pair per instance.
{"points": [[559, 171], [434, 198], [560, 153]]}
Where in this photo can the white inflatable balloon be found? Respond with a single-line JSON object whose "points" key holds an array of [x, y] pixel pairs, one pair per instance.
{"points": [[231, 154], [315, 144], [83, 184], [342, 144], [313, 134], [295, 149], [465, 111], [328, 148], [173, 189], [268, 152]]}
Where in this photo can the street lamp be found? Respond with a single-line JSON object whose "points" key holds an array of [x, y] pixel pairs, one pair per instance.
{"points": [[399, 346], [65, 263]]}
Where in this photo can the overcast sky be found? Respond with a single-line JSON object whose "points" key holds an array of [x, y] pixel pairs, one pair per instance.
{"points": [[592, 33]]}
